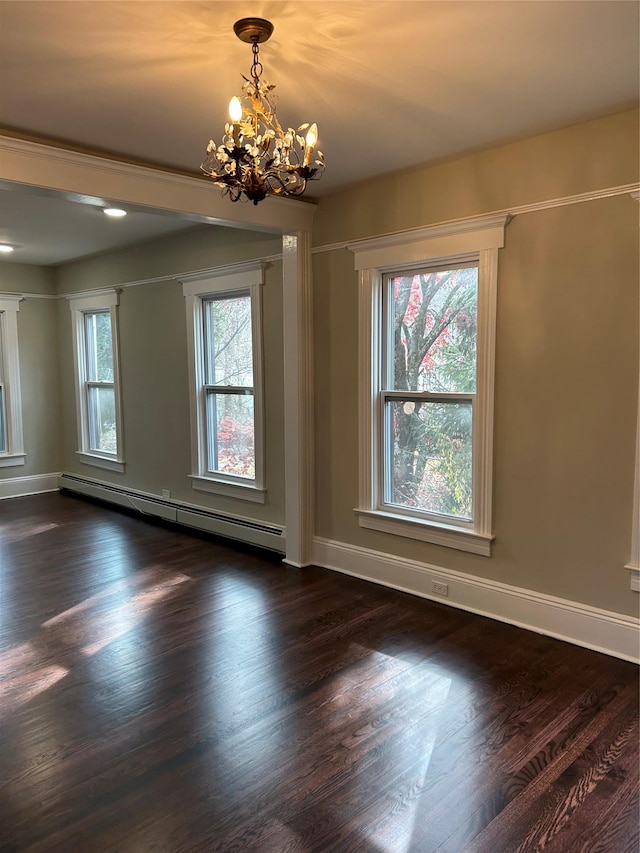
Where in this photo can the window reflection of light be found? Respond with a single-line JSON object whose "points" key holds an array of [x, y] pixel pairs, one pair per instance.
{"points": [[120, 624], [31, 667], [242, 664], [24, 673], [15, 531], [117, 590], [344, 693], [130, 611], [10, 659], [118, 564]]}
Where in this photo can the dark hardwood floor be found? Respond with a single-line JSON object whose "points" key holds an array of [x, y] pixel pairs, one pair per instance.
{"points": [[165, 692]]}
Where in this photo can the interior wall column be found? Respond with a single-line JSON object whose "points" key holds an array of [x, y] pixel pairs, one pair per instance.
{"points": [[298, 396]]}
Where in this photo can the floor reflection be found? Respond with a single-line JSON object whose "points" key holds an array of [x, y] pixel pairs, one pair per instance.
{"points": [[24, 673], [12, 532], [82, 631], [242, 671]]}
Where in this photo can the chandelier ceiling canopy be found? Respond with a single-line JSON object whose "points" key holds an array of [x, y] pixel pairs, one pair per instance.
{"points": [[257, 157]]}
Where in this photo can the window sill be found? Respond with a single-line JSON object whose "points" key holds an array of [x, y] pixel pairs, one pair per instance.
{"points": [[11, 460], [446, 535], [634, 576], [101, 461], [229, 490]]}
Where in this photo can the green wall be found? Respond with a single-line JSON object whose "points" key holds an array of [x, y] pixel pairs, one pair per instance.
{"points": [[153, 356], [39, 374], [153, 348]]}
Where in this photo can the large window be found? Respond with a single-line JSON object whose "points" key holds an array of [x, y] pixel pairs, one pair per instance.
{"points": [[11, 437], [428, 390], [427, 332], [97, 381], [224, 325]]}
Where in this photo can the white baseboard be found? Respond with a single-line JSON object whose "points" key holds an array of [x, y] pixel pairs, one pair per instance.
{"points": [[591, 627], [248, 530], [16, 487]]}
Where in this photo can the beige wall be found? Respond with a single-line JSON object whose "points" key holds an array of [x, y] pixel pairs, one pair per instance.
{"points": [[39, 377], [566, 359], [153, 350], [577, 159]]}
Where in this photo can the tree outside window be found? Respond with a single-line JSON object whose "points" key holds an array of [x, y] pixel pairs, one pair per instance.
{"points": [[229, 385], [97, 380], [430, 384], [224, 335]]}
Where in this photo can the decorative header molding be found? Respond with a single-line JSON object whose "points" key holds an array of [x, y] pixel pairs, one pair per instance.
{"points": [[435, 241]]}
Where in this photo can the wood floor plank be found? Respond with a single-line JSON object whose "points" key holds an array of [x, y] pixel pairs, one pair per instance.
{"points": [[163, 691]]}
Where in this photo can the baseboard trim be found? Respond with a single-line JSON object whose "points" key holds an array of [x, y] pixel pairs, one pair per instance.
{"points": [[601, 630], [239, 528], [17, 487]]}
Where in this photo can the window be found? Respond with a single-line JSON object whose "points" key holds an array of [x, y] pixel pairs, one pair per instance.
{"points": [[98, 406], [427, 332], [428, 390], [11, 438], [224, 329]]}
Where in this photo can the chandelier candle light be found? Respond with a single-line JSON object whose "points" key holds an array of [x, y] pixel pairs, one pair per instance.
{"points": [[257, 157]]}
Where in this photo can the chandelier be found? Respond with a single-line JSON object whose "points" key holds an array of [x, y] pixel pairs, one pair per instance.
{"points": [[257, 157]]}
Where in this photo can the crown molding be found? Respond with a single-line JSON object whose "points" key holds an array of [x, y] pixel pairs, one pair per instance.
{"points": [[457, 224]]}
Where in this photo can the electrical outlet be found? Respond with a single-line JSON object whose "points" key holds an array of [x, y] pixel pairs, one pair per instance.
{"points": [[166, 493], [439, 588]]}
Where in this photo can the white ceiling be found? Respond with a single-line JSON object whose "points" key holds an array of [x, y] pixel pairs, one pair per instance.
{"points": [[49, 230], [390, 84]]}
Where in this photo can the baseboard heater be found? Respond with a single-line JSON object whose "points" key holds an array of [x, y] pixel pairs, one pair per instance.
{"points": [[241, 529]]}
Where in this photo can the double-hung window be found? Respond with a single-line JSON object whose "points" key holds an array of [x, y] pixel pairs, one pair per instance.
{"points": [[96, 362], [11, 436], [427, 333], [224, 330], [428, 390]]}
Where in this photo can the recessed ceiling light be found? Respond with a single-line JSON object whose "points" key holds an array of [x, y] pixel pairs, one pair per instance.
{"points": [[114, 211], [6, 248]]}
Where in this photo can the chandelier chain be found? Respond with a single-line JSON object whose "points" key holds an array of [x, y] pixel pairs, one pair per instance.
{"points": [[256, 68]]}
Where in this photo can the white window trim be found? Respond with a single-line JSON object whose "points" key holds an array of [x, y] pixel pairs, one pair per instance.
{"points": [[633, 566], [478, 238], [14, 454], [80, 306], [226, 280]]}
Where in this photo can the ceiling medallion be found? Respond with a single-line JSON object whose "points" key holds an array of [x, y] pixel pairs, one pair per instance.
{"points": [[257, 157]]}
